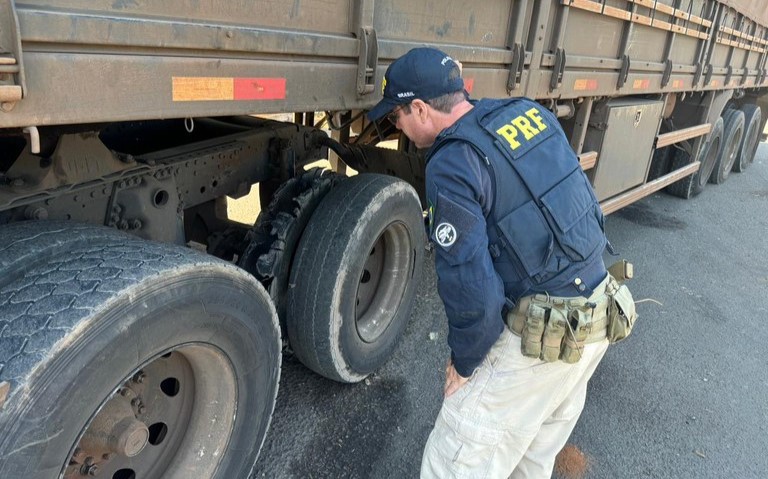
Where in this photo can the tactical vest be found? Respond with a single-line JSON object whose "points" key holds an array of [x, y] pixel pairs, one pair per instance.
{"points": [[546, 228]]}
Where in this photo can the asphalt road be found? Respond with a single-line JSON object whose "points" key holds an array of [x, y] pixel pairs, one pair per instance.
{"points": [[683, 397]]}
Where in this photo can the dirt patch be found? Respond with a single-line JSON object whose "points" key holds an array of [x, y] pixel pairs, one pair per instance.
{"points": [[571, 463]]}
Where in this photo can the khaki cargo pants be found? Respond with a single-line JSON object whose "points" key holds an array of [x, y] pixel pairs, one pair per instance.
{"points": [[512, 417]]}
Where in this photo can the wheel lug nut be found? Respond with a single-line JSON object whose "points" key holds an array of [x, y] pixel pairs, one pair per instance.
{"points": [[91, 470]]}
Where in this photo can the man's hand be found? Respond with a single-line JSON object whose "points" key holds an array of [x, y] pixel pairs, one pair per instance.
{"points": [[453, 381]]}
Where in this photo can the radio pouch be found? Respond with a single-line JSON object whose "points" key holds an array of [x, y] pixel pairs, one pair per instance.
{"points": [[621, 314]]}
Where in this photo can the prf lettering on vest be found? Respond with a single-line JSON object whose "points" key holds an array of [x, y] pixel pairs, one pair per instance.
{"points": [[522, 124]]}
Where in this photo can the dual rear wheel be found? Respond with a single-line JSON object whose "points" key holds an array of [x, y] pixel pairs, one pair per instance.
{"points": [[342, 258], [126, 359], [730, 146]]}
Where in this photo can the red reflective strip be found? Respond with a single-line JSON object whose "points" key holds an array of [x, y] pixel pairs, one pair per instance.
{"points": [[469, 84], [259, 88]]}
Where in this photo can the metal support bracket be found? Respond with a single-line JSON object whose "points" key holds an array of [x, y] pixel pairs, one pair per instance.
{"points": [[728, 75], [708, 75], [515, 42], [516, 67], [624, 72], [667, 73], [557, 70], [368, 60], [697, 74]]}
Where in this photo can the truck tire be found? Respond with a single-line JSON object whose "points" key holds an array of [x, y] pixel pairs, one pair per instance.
{"points": [[733, 132], [278, 228], [750, 139], [355, 276], [660, 162], [692, 185], [127, 358]]}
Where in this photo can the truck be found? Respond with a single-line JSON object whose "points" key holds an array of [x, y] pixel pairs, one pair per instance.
{"points": [[142, 328]]}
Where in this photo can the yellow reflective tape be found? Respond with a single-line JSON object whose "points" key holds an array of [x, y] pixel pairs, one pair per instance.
{"points": [[203, 88]]}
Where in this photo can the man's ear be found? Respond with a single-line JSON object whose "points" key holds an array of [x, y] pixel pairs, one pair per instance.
{"points": [[420, 108]]}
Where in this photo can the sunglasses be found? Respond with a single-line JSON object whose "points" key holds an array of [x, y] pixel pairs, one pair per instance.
{"points": [[394, 115]]}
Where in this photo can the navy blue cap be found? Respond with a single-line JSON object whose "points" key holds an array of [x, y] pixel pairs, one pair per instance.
{"points": [[423, 73]]}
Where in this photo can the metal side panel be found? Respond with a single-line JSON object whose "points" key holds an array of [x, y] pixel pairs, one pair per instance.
{"points": [[326, 16], [482, 24], [102, 61], [71, 88], [622, 132]]}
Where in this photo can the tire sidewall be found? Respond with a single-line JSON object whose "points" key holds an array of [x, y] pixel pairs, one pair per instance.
{"points": [[752, 120], [130, 331], [359, 357], [714, 140], [733, 123]]}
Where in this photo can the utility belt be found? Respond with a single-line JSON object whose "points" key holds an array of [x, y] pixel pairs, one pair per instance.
{"points": [[556, 328]]}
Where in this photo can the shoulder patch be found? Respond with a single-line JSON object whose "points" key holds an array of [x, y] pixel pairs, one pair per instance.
{"points": [[458, 233], [445, 234]]}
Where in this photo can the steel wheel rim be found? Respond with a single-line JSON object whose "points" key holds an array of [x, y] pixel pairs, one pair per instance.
{"points": [[383, 281], [186, 398]]}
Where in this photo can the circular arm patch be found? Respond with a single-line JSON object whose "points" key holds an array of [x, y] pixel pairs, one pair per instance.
{"points": [[445, 234]]}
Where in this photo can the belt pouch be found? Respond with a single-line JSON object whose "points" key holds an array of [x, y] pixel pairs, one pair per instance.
{"points": [[621, 314], [530, 338], [573, 346], [553, 336]]}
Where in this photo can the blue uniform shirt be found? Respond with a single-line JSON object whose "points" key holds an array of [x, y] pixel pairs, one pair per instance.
{"points": [[460, 197]]}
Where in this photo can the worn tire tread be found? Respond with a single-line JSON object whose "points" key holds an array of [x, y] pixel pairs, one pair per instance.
{"points": [[337, 217], [45, 294]]}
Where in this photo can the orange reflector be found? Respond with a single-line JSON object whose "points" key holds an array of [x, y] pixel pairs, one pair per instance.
{"points": [[227, 89], [641, 84], [203, 89], [585, 84]]}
